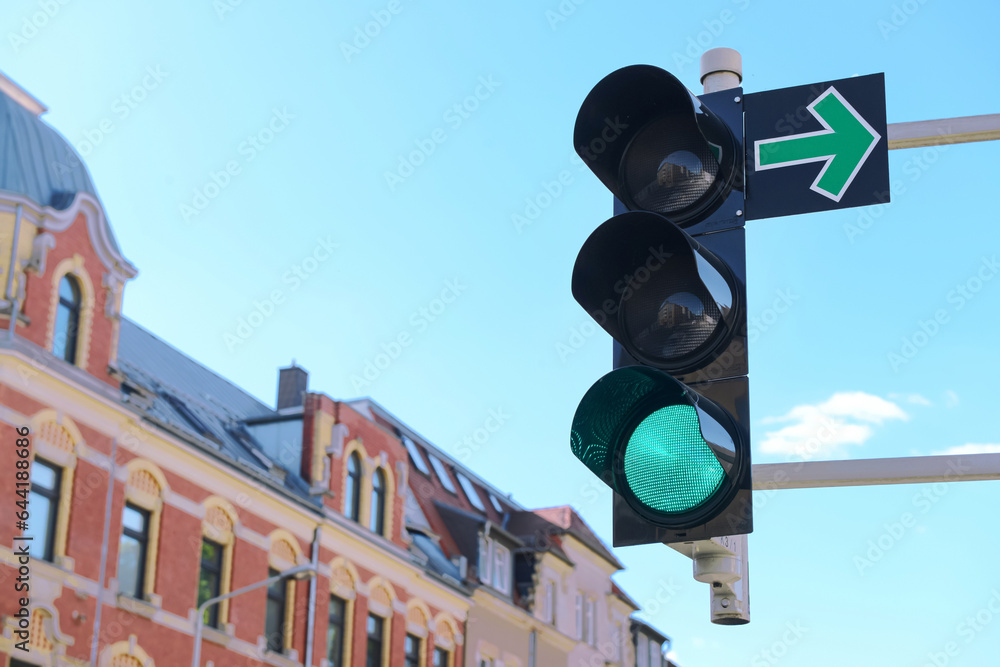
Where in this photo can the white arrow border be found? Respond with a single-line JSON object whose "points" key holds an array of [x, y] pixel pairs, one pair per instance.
{"points": [[876, 137]]}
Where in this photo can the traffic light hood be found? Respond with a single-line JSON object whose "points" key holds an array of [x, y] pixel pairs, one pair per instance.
{"points": [[656, 146], [670, 302]]}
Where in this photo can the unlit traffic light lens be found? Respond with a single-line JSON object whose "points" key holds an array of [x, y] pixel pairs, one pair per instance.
{"points": [[666, 171], [668, 465], [679, 313]]}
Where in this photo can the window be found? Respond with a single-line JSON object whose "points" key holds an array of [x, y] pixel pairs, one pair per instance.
{"points": [[579, 615], [485, 565], [501, 568], [352, 491], [589, 621], [132, 551], [642, 652], [496, 504], [376, 518], [411, 651], [43, 500], [470, 492], [415, 456], [210, 580], [441, 658], [67, 320], [374, 651], [616, 642], [442, 474], [335, 632], [274, 624], [654, 654], [549, 602]]}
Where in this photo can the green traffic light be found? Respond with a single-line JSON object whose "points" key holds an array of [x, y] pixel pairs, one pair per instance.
{"points": [[668, 465]]}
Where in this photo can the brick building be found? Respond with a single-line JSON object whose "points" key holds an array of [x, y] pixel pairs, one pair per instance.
{"points": [[155, 485]]}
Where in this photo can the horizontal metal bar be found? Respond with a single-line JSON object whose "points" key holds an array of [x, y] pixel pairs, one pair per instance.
{"points": [[868, 472], [944, 131]]}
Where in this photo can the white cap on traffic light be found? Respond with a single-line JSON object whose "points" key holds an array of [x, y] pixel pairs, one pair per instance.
{"points": [[721, 69]]}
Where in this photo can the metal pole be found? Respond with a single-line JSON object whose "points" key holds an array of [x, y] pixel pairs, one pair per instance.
{"points": [[944, 131], [290, 572], [310, 621], [104, 552], [9, 291], [870, 472]]}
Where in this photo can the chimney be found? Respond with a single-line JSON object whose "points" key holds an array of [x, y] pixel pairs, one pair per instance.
{"points": [[292, 384]]}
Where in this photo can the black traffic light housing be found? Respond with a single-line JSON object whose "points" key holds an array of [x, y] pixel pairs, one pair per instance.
{"points": [[668, 429]]}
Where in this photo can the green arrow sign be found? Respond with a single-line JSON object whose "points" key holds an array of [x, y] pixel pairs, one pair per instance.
{"points": [[844, 145]]}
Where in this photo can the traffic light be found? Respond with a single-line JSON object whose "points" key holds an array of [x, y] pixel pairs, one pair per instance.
{"points": [[668, 428]]}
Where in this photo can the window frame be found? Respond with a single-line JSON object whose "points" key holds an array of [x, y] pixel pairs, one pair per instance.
{"points": [[589, 621], [414, 452], [441, 470], [470, 491], [441, 657], [75, 316], [642, 651], [549, 615], [496, 504], [352, 500], [54, 496], [413, 659], [377, 502], [380, 623], [655, 654], [142, 538], [277, 592], [579, 615], [501, 568], [212, 612], [485, 560], [332, 658]]}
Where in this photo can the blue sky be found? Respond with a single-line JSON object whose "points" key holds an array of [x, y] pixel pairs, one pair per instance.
{"points": [[245, 171]]}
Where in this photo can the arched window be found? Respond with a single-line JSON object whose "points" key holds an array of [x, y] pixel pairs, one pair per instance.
{"points": [[376, 518], [352, 491], [67, 319], [138, 546]]}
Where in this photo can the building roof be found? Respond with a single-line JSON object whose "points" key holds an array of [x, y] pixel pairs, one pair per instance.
{"points": [[639, 625], [566, 518], [183, 396], [35, 160], [537, 533], [623, 596]]}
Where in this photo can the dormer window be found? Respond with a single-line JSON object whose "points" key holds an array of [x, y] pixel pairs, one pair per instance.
{"points": [[64, 340], [494, 564]]}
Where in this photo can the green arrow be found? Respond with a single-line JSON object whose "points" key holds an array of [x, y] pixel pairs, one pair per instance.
{"points": [[843, 146]]}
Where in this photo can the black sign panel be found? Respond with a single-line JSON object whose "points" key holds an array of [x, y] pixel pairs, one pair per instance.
{"points": [[817, 147]]}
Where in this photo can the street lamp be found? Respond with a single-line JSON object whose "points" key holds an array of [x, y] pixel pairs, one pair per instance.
{"points": [[298, 572]]}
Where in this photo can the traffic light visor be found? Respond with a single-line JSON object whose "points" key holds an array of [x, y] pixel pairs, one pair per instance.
{"points": [[656, 146], [670, 302]]}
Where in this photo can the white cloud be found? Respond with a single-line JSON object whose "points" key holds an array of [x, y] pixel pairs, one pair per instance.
{"points": [[915, 399], [816, 431], [970, 448]]}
